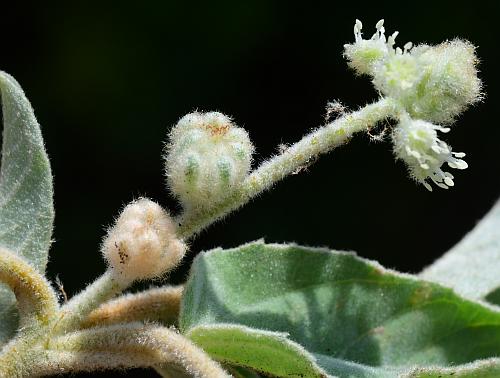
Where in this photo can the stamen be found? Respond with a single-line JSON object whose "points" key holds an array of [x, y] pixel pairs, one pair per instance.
{"points": [[407, 46], [427, 186]]}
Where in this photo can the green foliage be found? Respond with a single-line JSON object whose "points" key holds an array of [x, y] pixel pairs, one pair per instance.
{"points": [[355, 318], [259, 309], [471, 267], [26, 208]]}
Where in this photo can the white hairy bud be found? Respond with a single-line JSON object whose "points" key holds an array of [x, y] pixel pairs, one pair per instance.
{"points": [[207, 159], [142, 243], [416, 143]]}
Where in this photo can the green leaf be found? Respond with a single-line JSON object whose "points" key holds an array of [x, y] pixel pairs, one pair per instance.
{"points": [[26, 208], [489, 368], [273, 351], [342, 314], [472, 267]]}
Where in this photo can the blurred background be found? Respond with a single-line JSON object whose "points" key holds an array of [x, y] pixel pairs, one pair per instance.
{"points": [[107, 82]]}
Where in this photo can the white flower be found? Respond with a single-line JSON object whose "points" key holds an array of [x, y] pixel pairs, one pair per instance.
{"points": [[416, 143], [363, 53]]}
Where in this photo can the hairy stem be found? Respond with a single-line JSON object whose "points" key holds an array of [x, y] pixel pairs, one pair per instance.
{"points": [[154, 345], [81, 305], [158, 304], [36, 300], [302, 153]]}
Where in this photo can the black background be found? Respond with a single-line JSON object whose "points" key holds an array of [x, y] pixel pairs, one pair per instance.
{"points": [[107, 81]]}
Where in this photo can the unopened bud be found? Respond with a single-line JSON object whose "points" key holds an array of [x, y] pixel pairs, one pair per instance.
{"points": [[433, 83], [207, 159], [142, 243]]}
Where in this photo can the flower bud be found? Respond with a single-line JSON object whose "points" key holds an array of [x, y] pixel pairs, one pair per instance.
{"points": [[142, 243], [417, 144], [207, 159], [435, 83]]}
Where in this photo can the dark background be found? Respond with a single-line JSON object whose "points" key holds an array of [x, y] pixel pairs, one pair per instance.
{"points": [[107, 82]]}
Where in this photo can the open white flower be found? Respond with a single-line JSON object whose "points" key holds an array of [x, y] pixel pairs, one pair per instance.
{"points": [[416, 142], [363, 53]]}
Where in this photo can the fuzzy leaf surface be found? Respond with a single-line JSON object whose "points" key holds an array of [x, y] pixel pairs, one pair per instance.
{"points": [[26, 193], [472, 267], [333, 312]]}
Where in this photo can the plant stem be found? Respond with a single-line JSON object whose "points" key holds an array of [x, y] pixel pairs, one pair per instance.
{"points": [[160, 304], [302, 153], [36, 300], [80, 306], [151, 346]]}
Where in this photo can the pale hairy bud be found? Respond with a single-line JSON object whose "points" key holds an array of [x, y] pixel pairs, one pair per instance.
{"points": [[416, 143], [207, 159], [142, 243]]}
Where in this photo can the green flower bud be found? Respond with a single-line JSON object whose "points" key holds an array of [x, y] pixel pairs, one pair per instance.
{"points": [[435, 83], [207, 159]]}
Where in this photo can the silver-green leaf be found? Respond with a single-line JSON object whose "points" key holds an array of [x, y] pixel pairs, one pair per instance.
{"points": [[472, 267], [26, 192], [328, 313]]}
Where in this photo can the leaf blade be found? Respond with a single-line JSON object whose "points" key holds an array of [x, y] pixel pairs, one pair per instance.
{"points": [[354, 317], [472, 266], [233, 344], [26, 191]]}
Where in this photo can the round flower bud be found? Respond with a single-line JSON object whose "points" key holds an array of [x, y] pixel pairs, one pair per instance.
{"points": [[435, 83], [207, 159], [142, 243], [416, 143]]}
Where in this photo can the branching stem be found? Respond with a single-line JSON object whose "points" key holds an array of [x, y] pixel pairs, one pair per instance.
{"points": [[158, 304], [150, 345], [302, 153], [81, 305]]}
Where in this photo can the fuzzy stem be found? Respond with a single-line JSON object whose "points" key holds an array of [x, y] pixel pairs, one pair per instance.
{"points": [[39, 362], [150, 343], [302, 153], [81, 305], [158, 304], [36, 300]]}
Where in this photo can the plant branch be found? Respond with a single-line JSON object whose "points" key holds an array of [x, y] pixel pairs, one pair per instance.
{"points": [[155, 345], [81, 305], [302, 153], [154, 305], [36, 300]]}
